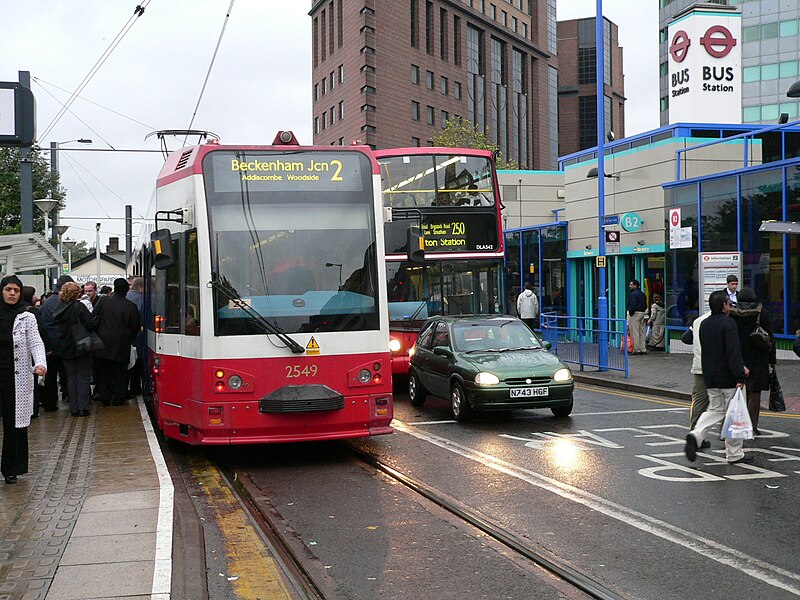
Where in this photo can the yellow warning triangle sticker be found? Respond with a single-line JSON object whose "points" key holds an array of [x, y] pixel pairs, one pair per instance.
{"points": [[312, 344]]}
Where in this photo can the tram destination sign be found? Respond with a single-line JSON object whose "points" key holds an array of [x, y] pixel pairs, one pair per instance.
{"points": [[261, 171]]}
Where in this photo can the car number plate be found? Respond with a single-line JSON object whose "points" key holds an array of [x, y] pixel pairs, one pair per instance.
{"points": [[529, 392]]}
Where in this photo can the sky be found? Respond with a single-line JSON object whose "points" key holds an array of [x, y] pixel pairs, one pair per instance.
{"points": [[260, 83]]}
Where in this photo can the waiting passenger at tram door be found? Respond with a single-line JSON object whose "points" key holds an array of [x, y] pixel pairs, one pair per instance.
{"points": [[117, 325]]}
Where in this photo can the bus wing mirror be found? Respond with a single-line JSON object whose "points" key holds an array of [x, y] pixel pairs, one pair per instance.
{"points": [[161, 243], [416, 245]]}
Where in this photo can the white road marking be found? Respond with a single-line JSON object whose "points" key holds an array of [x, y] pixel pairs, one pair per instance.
{"points": [[759, 569], [701, 476], [582, 436], [628, 412], [446, 422], [162, 570]]}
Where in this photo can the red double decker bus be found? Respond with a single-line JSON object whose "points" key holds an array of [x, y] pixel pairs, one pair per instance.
{"points": [[266, 295], [452, 195]]}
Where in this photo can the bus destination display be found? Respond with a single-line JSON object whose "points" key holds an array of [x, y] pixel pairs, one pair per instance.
{"points": [[464, 233]]}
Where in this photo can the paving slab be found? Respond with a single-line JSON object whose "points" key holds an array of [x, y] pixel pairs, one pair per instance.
{"points": [[102, 549]]}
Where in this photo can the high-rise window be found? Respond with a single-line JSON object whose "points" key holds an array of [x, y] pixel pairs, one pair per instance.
{"points": [[429, 27], [431, 115], [457, 90], [429, 79], [444, 41], [519, 107], [587, 121], [443, 85], [552, 28], [499, 101], [415, 110], [456, 40], [341, 110], [415, 74], [552, 90], [323, 41], [341, 72], [414, 23], [475, 79]]}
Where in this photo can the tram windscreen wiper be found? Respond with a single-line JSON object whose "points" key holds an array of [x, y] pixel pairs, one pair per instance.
{"points": [[226, 290]]}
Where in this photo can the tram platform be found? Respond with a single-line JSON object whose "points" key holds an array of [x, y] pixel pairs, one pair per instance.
{"points": [[93, 517], [668, 375]]}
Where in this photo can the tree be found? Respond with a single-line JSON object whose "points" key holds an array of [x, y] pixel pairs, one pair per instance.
{"points": [[460, 133], [80, 250], [43, 183]]}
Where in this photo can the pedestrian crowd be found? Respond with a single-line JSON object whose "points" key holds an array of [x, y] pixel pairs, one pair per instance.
{"points": [[734, 350], [88, 344]]}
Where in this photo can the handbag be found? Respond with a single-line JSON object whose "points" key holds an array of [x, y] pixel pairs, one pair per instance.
{"points": [[86, 341], [776, 402], [759, 337], [737, 424]]}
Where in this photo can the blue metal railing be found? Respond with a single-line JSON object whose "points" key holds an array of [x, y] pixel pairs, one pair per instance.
{"points": [[578, 340]]}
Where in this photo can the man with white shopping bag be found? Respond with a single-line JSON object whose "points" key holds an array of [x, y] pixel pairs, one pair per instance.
{"points": [[724, 374]]}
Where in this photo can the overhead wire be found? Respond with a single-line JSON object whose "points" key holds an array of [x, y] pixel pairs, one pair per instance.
{"points": [[137, 12], [88, 189], [41, 82], [210, 66], [74, 162], [89, 127]]}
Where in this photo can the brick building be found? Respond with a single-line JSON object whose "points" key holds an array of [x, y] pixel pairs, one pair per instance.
{"points": [[577, 84], [392, 73]]}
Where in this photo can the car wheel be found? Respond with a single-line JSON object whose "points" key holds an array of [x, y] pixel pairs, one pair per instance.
{"points": [[416, 393], [459, 404], [562, 411]]}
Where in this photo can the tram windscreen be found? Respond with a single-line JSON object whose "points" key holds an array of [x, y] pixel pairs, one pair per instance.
{"points": [[293, 234], [452, 287]]}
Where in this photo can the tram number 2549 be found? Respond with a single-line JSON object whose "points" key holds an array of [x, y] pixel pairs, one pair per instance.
{"points": [[293, 371]]}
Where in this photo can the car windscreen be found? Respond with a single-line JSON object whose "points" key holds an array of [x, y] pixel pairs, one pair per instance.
{"points": [[493, 334]]}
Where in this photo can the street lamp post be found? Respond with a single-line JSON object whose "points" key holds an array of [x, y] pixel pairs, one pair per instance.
{"points": [[69, 245], [602, 299], [97, 253], [61, 230]]}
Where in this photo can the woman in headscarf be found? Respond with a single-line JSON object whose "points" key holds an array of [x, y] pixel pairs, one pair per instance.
{"points": [[70, 314], [30, 299], [20, 347], [749, 314]]}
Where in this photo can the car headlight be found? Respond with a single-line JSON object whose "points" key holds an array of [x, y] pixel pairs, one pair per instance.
{"points": [[412, 351], [487, 379], [394, 345], [563, 375]]}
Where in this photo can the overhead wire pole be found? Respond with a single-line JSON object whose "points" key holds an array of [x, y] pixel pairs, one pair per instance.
{"points": [[602, 299]]}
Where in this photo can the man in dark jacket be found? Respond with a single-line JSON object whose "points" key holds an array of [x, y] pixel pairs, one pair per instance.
{"points": [[55, 364], [637, 307], [723, 372], [118, 324]]}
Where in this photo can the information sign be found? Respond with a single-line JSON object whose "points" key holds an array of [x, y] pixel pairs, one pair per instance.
{"points": [[714, 269]]}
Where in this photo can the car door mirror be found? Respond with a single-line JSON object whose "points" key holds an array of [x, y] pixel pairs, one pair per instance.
{"points": [[547, 345], [443, 351]]}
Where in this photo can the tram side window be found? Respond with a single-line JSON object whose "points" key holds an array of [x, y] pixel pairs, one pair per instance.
{"points": [[192, 292], [168, 296]]}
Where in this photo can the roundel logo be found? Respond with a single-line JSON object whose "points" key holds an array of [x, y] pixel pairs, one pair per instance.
{"points": [[679, 47], [718, 47]]}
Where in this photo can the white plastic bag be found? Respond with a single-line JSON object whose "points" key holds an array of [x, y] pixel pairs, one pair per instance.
{"points": [[737, 424], [134, 356]]}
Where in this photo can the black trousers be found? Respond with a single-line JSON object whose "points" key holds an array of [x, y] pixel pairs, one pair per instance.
{"points": [[55, 369], [15, 441], [112, 383]]}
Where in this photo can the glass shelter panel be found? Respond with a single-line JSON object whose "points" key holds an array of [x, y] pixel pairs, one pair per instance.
{"points": [[762, 200]]}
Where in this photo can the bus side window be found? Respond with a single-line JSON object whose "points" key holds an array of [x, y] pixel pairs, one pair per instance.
{"points": [[192, 288]]}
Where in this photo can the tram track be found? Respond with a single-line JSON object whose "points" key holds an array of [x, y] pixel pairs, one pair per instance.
{"points": [[308, 582], [513, 541]]}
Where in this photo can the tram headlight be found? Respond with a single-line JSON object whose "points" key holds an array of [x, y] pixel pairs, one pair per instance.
{"points": [[365, 376], [234, 382], [563, 375], [395, 345]]}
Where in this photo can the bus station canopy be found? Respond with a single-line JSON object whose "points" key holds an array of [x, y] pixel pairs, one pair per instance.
{"points": [[26, 252]]}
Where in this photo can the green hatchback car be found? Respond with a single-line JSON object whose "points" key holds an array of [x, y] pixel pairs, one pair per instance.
{"points": [[487, 362]]}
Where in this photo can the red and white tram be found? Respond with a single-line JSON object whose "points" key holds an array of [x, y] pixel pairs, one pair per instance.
{"points": [[266, 295]]}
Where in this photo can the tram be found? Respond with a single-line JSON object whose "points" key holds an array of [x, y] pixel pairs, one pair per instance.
{"points": [[265, 294], [452, 195]]}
